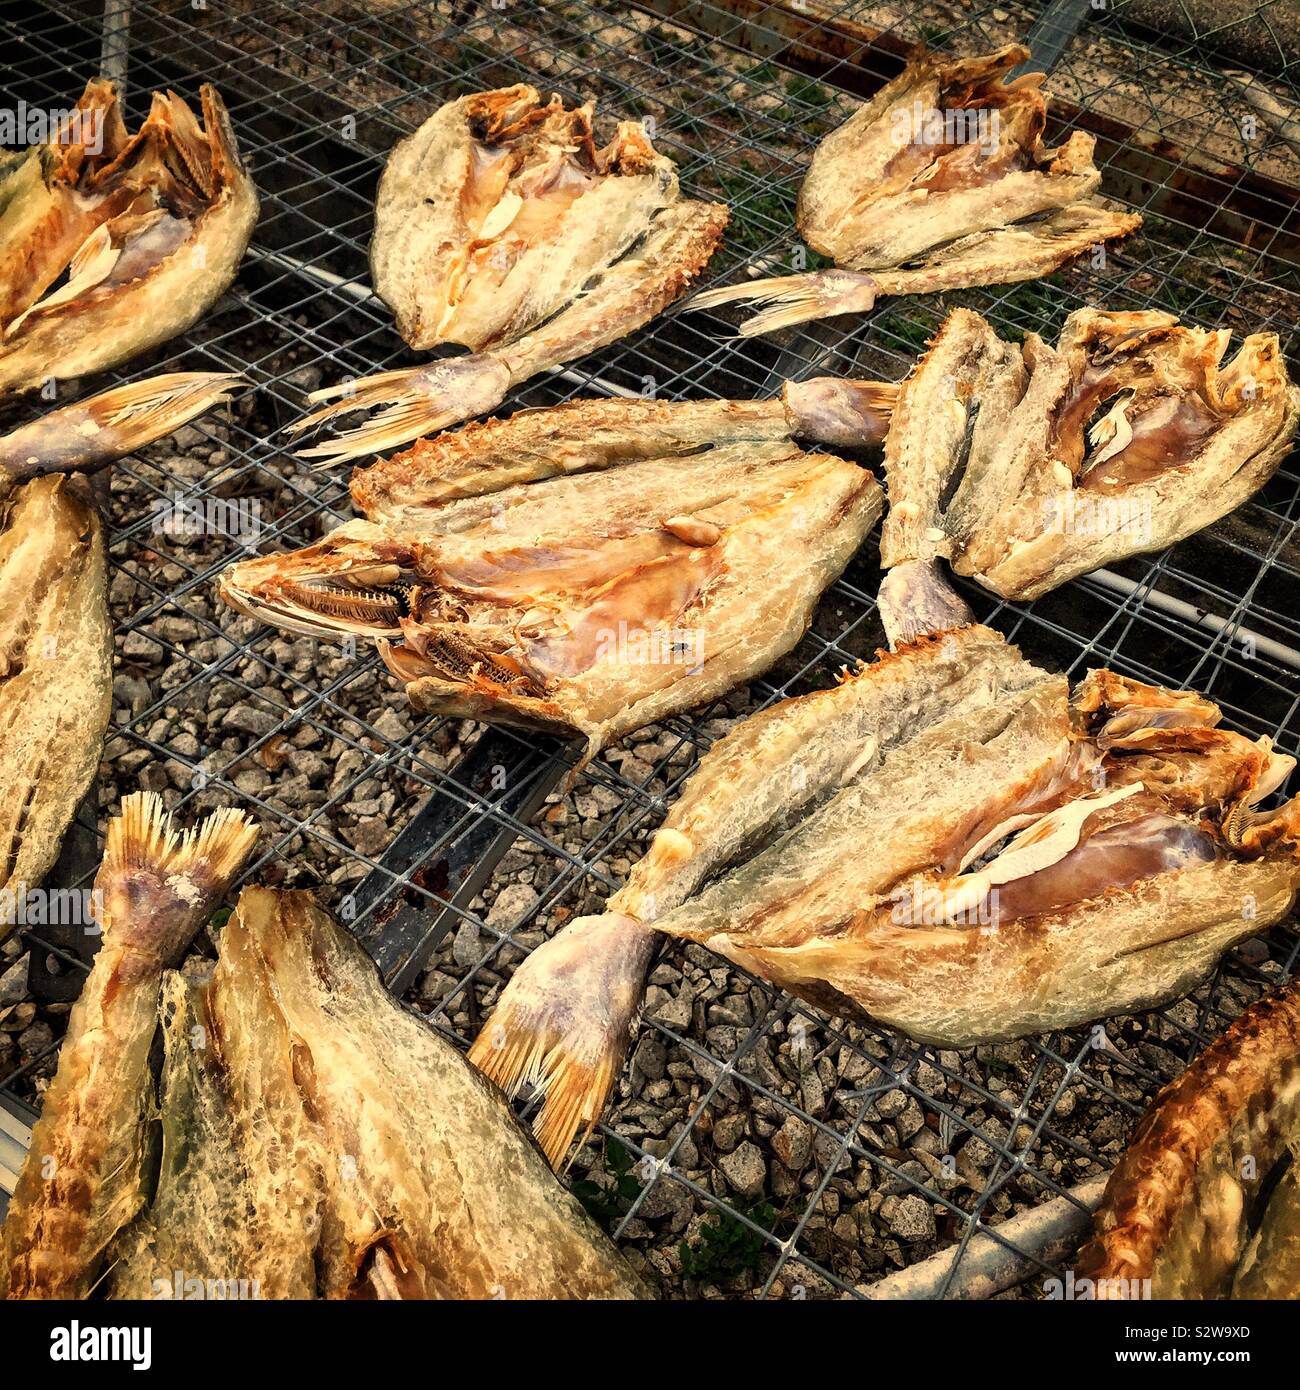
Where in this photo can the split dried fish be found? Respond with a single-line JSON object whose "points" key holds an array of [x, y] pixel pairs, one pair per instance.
{"points": [[941, 181], [1025, 466], [592, 567], [56, 641], [500, 225], [84, 1177], [1038, 861], [1205, 1202], [148, 230], [324, 1142]]}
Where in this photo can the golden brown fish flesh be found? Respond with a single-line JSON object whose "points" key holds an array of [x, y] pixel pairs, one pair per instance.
{"points": [[324, 1142], [502, 226], [1205, 1202], [941, 181], [84, 1177], [56, 681], [147, 228], [1036, 862], [589, 568], [1025, 466]]}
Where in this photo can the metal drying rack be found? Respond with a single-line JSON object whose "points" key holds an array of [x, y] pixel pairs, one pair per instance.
{"points": [[740, 90]]}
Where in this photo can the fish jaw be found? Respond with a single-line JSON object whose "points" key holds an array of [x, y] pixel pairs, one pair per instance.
{"points": [[354, 583], [146, 288]]}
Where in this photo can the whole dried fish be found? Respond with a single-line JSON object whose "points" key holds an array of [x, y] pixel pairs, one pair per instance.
{"points": [[148, 229], [1037, 862], [324, 1142], [589, 568], [84, 1176], [1025, 466], [500, 225], [942, 180], [57, 641], [1205, 1202]]}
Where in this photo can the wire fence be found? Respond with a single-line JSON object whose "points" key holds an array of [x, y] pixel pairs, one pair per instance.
{"points": [[885, 1151]]}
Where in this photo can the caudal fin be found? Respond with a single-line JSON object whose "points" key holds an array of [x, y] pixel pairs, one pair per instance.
{"points": [[86, 435], [563, 1024], [157, 885], [416, 400], [795, 299], [915, 600]]}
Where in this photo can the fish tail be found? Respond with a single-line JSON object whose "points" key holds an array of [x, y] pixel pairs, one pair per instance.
{"points": [[86, 435], [144, 835], [417, 401], [915, 600], [834, 411], [563, 1024], [796, 299], [159, 884]]}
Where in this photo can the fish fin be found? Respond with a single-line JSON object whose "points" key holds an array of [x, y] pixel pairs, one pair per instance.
{"points": [[915, 600], [417, 400], [83, 436], [563, 1024], [795, 299], [91, 263], [145, 836]]}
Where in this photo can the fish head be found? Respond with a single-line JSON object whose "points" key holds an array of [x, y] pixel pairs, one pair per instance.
{"points": [[357, 581]]}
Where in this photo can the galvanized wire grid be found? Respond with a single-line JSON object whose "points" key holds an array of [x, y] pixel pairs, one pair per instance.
{"points": [[318, 95]]}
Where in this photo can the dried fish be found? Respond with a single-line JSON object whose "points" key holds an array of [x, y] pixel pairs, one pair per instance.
{"points": [[147, 228], [500, 225], [324, 1142], [941, 181], [83, 1181], [589, 568], [1205, 1202], [1037, 862], [56, 641], [1025, 466]]}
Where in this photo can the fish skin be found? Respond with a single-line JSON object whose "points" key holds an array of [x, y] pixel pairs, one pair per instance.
{"points": [[824, 925], [56, 684], [567, 281], [190, 175], [56, 691], [372, 1159], [900, 216], [156, 889], [1179, 1206], [428, 219], [984, 434], [501, 588]]}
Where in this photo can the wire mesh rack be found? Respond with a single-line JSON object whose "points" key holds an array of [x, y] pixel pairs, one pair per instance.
{"points": [[756, 1147]]}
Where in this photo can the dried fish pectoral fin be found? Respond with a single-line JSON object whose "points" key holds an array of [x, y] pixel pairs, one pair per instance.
{"points": [[90, 433], [415, 401], [563, 1023], [796, 298]]}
